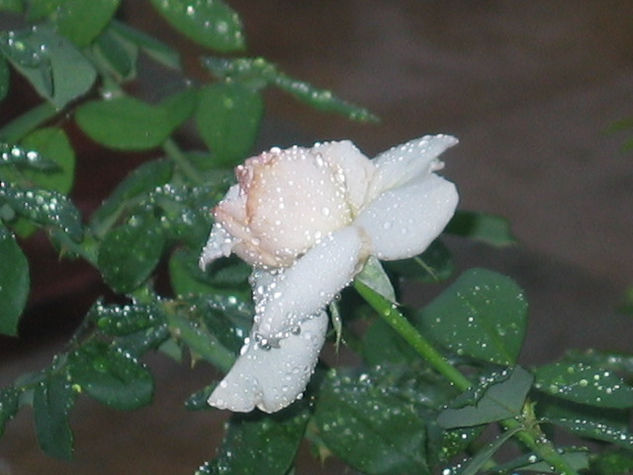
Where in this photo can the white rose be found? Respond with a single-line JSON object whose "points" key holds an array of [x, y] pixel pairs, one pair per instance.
{"points": [[307, 219]]}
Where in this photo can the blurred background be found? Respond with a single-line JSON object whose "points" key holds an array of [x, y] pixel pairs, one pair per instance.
{"points": [[530, 89]]}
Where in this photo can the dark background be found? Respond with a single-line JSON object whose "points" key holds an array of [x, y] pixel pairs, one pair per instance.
{"points": [[530, 88]]}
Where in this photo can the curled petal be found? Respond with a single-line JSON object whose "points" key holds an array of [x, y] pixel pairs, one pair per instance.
{"points": [[272, 378], [402, 222], [309, 285], [409, 161], [220, 244]]}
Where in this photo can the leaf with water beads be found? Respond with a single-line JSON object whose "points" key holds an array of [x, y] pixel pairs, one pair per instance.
{"points": [[257, 443], [499, 401], [44, 207], [14, 282], [374, 276], [81, 21], [584, 384], [485, 227], [619, 362], [381, 345], [116, 55], [51, 63], [129, 253], [111, 376], [9, 399], [53, 144], [53, 399], [576, 458], [374, 428], [617, 461], [24, 157], [118, 320], [258, 73], [482, 315], [210, 23], [228, 117]]}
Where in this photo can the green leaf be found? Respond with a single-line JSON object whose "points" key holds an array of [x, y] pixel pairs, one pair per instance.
{"points": [[9, 399], [44, 207], [38, 9], [257, 73], [55, 68], [5, 78], [499, 401], [14, 6], [381, 344], [375, 277], [210, 23], [140, 181], [14, 282], [488, 228], [229, 317], [124, 319], [22, 157], [127, 123], [228, 117], [130, 252], [575, 458], [157, 50], [620, 362], [81, 21], [482, 315], [117, 54], [374, 428], [52, 143], [433, 265], [620, 461], [200, 340], [584, 384], [596, 429], [138, 343], [259, 443], [52, 401], [486, 453], [112, 377]]}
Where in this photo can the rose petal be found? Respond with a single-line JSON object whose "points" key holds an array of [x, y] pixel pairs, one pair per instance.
{"points": [[220, 244], [309, 285], [272, 378], [409, 161], [402, 222]]}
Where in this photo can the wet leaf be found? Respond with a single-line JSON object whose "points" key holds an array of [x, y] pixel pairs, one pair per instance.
{"points": [[575, 458], [52, 401], [9, 399], [137, 344], [14, 6], [14, 282], [482, 315], [375, 277], [210, 23], [154, 48], [486, 453], [259, 443], [620, 362], [5, 78], [112, 377], [44, 207], [258, 73], [130, 252], [488, 228], [620, 461], [81, 21], [52, 143], [499, 401], [22, 157], [140, 181], [228, 317], [433, 265], [381, 344], [373, 428], [584, 384], [127, 123], [124, 319], [51, 63], [228, 117]]}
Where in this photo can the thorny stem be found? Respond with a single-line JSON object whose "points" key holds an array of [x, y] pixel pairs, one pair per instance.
{"points": [[531, 437]]}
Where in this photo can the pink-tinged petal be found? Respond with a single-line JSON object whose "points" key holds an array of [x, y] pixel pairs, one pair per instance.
{"points": [[402, 222], [309, 285], [356, 168], [409, 161], [272, 378]]}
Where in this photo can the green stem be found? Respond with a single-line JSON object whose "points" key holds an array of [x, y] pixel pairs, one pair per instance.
{"points": [[420, 344], [22, 125], [530, 437], [181, 160]]}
